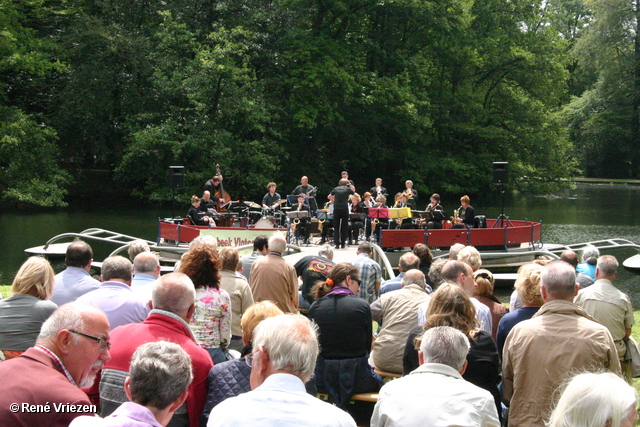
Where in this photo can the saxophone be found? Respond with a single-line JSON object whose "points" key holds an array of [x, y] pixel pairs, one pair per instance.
{"points": [[321, 225], [456, 216], [294, 225]]}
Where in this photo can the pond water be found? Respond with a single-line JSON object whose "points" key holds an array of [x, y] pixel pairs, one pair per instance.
{"points": [[589, 212]]}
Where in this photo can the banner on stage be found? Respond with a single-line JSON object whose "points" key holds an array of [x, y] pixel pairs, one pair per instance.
{"points": [[234, 237]]}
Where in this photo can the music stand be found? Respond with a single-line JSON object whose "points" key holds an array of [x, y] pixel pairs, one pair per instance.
{"points": [[300, 215], [377, 213]]}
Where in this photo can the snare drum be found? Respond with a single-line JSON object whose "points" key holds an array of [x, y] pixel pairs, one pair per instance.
{"points": [[264, 223]]}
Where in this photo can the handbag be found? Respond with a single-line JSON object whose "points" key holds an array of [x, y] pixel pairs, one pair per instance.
{"points": [[633, 354]]}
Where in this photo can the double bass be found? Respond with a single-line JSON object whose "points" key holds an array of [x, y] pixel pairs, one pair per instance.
{"points": [[223, 199]]}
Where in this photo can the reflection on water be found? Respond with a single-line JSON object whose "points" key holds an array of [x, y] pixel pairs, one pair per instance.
{"points": [[590, 212]]}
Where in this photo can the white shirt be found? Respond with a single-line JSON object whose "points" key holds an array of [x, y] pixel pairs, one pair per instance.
{"points": [[482, 313], [434, 395], [279, 402]]}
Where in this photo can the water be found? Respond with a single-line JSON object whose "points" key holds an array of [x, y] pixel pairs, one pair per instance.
{"points": [[590, 212]]}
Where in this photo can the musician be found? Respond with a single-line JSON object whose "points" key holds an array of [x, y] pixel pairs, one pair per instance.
{"points": [[467, 214], [303, 228], [382, 222], [194, 215], [308, 190], [355, 224], [345, 175], [369, 201], [409, 188], [207, 202], [271, 199], [213, 185], [328, 220], [436, 211], [402, 201], [341, 212], [378, 189]]}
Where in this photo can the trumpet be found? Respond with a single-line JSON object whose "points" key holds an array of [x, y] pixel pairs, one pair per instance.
{"points": [[321, 225]]}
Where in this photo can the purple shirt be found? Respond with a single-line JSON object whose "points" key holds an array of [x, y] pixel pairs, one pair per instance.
{"points": [[118, 302], [128, 414]]}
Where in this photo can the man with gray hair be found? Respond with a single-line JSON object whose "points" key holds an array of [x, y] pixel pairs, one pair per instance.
{"points": [[146, 270], [408, 261], [157, 384], [542, 352], [115, 297], [137, 247], [435, 394], [610, 307], [173, 302], [397, 311], [72, 347], [273, 278], [284, 355], [311, 269]]}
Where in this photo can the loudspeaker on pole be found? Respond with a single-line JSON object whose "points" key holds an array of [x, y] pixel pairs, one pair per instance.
{"points": [[500, 173], [176, 177]]}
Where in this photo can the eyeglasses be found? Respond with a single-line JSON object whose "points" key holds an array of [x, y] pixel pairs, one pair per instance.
{"points": [[356, 280], [103, 344], [249, 359]]}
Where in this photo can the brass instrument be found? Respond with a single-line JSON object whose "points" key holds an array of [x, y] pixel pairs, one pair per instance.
{"points": [[374, 224], [321, 225], [294, 225], [456, 216]]}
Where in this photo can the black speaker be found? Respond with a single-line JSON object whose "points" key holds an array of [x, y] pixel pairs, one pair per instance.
{"points": [[177, 177], [500, 173]]}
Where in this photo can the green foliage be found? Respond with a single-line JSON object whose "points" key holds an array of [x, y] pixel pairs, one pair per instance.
{"points": [[29, 161]]}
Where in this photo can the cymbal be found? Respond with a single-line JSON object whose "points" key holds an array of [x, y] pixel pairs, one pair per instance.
{"points": [[281, 201], [285, 208], [252, 204]]}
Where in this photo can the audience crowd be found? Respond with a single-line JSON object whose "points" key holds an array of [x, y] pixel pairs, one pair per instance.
{"points": [[256, 341]]}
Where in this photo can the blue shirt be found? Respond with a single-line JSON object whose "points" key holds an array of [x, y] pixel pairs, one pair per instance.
{"points": [[510, 320], [142, 285], [587, 269], [119, 303], [72, 283]]}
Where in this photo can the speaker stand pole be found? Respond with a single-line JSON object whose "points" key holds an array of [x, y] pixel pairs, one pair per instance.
{"points": [[173, 202]]}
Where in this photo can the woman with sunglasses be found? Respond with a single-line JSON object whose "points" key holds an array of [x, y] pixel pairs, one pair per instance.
{"points": [[346, 336]]}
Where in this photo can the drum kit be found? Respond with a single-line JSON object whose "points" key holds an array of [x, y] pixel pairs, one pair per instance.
{"points": [[261, 217]]}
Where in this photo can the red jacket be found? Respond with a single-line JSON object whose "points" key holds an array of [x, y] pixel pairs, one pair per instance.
{"points": [[126, 339], [35, 379]]}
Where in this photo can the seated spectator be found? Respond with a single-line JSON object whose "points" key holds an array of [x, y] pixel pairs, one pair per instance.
{"points": [[71, 349], [146, 270], [451, 306], [528, 288], [484, 294], [173, 303], [398, 313], [136, 247], [231, 378], [408, 261], [211, 322], [75, 280], [423, 252], [114, 296], [346, 336], [238, 290], [283, 359], [470, 255], [24, 312], [596, 400], [589, 262], [435, 394], [157, 384]]}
